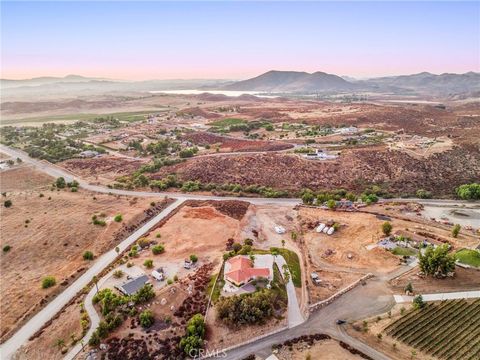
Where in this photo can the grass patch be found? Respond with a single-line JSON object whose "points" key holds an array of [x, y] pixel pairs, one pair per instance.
{"points": [[227, 122], [468, 257], [293, 263], [401, 251], [278, 286], [218, 286]]}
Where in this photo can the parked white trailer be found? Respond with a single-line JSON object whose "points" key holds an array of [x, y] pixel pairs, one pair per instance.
{"points": [[325, 229], [331, 231], [320, 228]]}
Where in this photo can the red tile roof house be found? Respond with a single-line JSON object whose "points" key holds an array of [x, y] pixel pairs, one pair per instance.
{"points": [[239, 271]]}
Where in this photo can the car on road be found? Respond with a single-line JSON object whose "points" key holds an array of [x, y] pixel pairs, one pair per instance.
{"points": [[340, 322]]}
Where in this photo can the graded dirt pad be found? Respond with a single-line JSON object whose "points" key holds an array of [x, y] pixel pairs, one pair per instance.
{"points": [[47, 346], [105, 168], [233, 208], [323, 350], [199, 229], [346, 248], [464, 280], [48, 236], [227, 144], [354, 170]]}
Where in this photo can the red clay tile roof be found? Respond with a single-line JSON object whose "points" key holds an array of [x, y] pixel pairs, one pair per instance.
{"points": [[241, 270]]}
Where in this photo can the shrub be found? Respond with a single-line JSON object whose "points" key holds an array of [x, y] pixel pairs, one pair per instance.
{"points": [[418, 302], [48, 281], [158, 249], [118, 274], [60, 183], [248, 241], [88, 255], [456, 230], [7, 203], [158, 236], [423, 194], [194, 258], [146, 318], [175, 278], [169, 281], [409, 288], [6, 248], [387, 228], [236, 247], [148, 263], [331, 204], [118, 218]]}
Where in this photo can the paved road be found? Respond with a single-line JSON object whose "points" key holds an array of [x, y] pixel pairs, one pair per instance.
{"points": [[440, 297], [294, 314], [363, 301], [8, 348]]}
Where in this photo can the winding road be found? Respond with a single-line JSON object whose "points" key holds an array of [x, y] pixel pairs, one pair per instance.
{"points": [[361, 302]]}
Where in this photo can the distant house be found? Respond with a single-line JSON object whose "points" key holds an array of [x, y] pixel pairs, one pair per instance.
{"points": [[239, 270], [131, 287], [88, 154]]}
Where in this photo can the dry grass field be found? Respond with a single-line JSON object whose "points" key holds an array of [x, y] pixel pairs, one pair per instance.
{"points": [[48, 232]]}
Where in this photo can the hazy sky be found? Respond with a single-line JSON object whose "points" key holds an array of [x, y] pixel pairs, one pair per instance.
{"points": [[146, 40]]}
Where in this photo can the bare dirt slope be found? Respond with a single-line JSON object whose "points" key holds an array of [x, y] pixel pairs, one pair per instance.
{"points": [[354, 170]]}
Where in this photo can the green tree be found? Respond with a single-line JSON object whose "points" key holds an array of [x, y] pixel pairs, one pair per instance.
{"points": [[387, 228], [7, 248], [409, 288], [144, 294], [148, 263], [194, 258], [118, 218], [192, 342], [436, 261], [7, 203], [469, 191], [456, 230], [146, 318]]}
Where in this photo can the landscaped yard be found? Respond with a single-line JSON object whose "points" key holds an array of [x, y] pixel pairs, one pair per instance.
{"points": [[468, 257], [293, 263], [227, 122]]}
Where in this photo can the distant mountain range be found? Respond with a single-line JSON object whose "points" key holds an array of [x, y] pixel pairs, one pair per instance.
{"points": [[293, 81], [466, 85]]}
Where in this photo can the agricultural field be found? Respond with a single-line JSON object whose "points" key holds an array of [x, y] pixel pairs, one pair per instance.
{"points": [[446, 330]]}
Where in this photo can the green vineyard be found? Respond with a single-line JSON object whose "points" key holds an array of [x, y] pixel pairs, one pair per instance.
{"points": [[446, 330]]}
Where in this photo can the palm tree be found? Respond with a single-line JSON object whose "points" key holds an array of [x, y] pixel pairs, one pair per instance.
{"points": [[60, 343]]}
